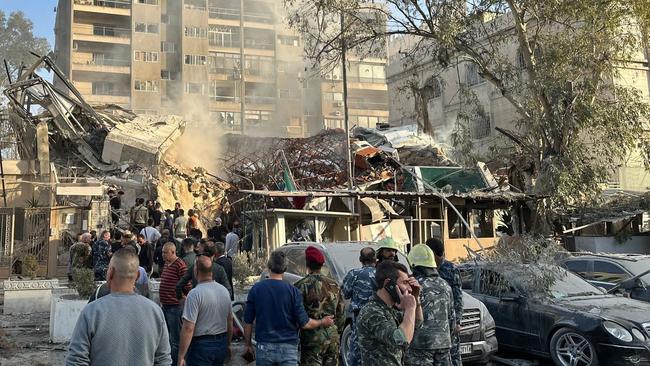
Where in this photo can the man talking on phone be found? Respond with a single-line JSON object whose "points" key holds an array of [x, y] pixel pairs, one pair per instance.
{"points": [[386, 324]]}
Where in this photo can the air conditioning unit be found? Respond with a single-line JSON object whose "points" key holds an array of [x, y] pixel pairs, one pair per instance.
{"points": [[337, 113]]}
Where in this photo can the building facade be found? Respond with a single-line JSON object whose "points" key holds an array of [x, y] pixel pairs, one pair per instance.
{"points": [[216, 62], [444, 105], [212, 61]]}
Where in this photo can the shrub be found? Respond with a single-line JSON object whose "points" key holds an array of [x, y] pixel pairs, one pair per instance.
{"points": [[244, 267], [30, 266], [84, 281]]}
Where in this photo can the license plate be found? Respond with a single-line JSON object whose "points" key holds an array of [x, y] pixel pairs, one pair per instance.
{"points": [[465, 349]]}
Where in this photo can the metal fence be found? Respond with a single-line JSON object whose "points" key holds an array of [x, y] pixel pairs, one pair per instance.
{"points": [[31, 235], [6, 236]]}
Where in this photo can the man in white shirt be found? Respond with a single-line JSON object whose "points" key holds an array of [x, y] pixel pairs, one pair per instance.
{"points": [[150, 232], [232, 244]]}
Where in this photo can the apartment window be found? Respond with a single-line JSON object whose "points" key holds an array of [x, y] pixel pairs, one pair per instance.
{"points": [[221, 92], [333, 96], [227, 119], [148, 2], [472, 76], [257, 117], [167, 47], [146, 28], [168, 75], [366, 121], [480, 126], [194, 88], [195, 32], [436, 87], [333, 123], [259, 66], [369, 73], [146, 85], [221, 36], [225, 63], [164, 18], [195, 60], [145, 56], [103, 88], [289, 40]]}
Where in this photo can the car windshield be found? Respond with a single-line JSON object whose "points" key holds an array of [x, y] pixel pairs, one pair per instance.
{"points": [[639, 267], [347, 258], [568, 284]]}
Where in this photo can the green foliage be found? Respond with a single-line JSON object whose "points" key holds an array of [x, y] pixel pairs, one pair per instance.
{"points": [[576, 122], [84, 281], [244, 267], [17, 40], [30, 266]]}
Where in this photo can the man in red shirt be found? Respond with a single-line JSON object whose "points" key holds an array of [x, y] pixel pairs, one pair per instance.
{"points": [[174, 270]]}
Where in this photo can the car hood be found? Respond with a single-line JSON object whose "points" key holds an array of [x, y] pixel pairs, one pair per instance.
{"points": [[609, 306]]}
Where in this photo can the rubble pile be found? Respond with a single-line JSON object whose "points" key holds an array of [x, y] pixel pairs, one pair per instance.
{"points": [[316, 162]]}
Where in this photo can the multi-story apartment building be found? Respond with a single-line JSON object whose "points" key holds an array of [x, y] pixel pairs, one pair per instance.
{"points": [[445, 105], [216, 62], [212, 61]]}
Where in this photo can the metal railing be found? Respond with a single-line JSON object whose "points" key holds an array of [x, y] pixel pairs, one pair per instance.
{"points": [[117, 4], [256, 44], [224, 98], [231, 73], [103, 31], [220, 43], [260, 100], [194, 7], [104, 62], [235, 14]]}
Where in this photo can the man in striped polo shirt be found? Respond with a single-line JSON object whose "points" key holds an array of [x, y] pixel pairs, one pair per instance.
{"points": [[174, 270]]}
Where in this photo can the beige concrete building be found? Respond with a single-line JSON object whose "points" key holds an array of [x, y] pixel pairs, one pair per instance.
{"points": [[444, 106], [205, 59], [211, 62]]}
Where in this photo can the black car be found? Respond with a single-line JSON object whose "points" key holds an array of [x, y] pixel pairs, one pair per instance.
{"points": [[478, 340], [571, 321], [610, 270]]}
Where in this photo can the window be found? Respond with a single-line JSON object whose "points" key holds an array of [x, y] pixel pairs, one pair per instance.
{"points": [[168, 75], [467, 278], [145, 56], [493, 284], [195, 32], [578, 266], [146, 85], [436, 87], [195, 60], [167, 47], [333, 123], [480, 126], [222, 36], [333, 96], [225, 63], [259, 66], [103, 88], [255, 118], [289, 40], [164, 18], [148, 2], [224, 92], [608, 272], [194, 88], [472, 76], [146, 28], [228, 120]]}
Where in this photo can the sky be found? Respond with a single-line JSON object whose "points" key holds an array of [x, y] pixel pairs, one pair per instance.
{"points": [[40, 12]]}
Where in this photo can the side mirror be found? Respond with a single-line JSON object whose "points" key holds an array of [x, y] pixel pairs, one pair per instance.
{"points": [[631, 284], [513, 298]]}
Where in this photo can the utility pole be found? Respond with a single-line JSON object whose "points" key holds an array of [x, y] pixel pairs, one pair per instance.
{"points": [[242, 62], [346, 120]]}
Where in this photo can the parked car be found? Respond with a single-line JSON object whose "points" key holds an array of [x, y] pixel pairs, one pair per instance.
{"points": [[609, 270], [571, 321], [478, 340]]}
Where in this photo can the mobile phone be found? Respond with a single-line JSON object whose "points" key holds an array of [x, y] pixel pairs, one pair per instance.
{"points": [[391, 288]]}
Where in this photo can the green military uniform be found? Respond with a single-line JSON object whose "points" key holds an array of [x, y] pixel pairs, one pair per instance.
{"points": [[321, 297], [431, 342], [381, 341]]}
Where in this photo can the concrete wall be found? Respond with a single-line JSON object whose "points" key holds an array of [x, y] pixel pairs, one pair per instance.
{"points": [[608, 244]]}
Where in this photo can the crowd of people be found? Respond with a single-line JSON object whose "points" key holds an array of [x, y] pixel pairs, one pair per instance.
{"points": [[397, 318]]}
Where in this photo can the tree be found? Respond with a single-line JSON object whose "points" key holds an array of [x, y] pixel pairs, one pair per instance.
{"points": [[17, 41], [575, 123]]}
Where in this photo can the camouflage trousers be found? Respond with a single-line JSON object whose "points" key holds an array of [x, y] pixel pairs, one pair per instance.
{"points": [[326, 354], [439, 357], [454, 351]]}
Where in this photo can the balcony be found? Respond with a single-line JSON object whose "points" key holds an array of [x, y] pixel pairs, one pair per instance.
{"points": [[116, 66], [100, 33], [235, 14], [261, 103], [227, 74], [258, 44], [114, 7], [108, 98]]}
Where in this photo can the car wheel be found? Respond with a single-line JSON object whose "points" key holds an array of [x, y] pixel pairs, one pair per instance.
{"points": [[346, 338], [570, 348]]}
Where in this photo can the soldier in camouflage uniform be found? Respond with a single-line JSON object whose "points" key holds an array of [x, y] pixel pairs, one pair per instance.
{"points": [[387, 322], [450, 273], [359, 286], [321, 297], [431, 342]]}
